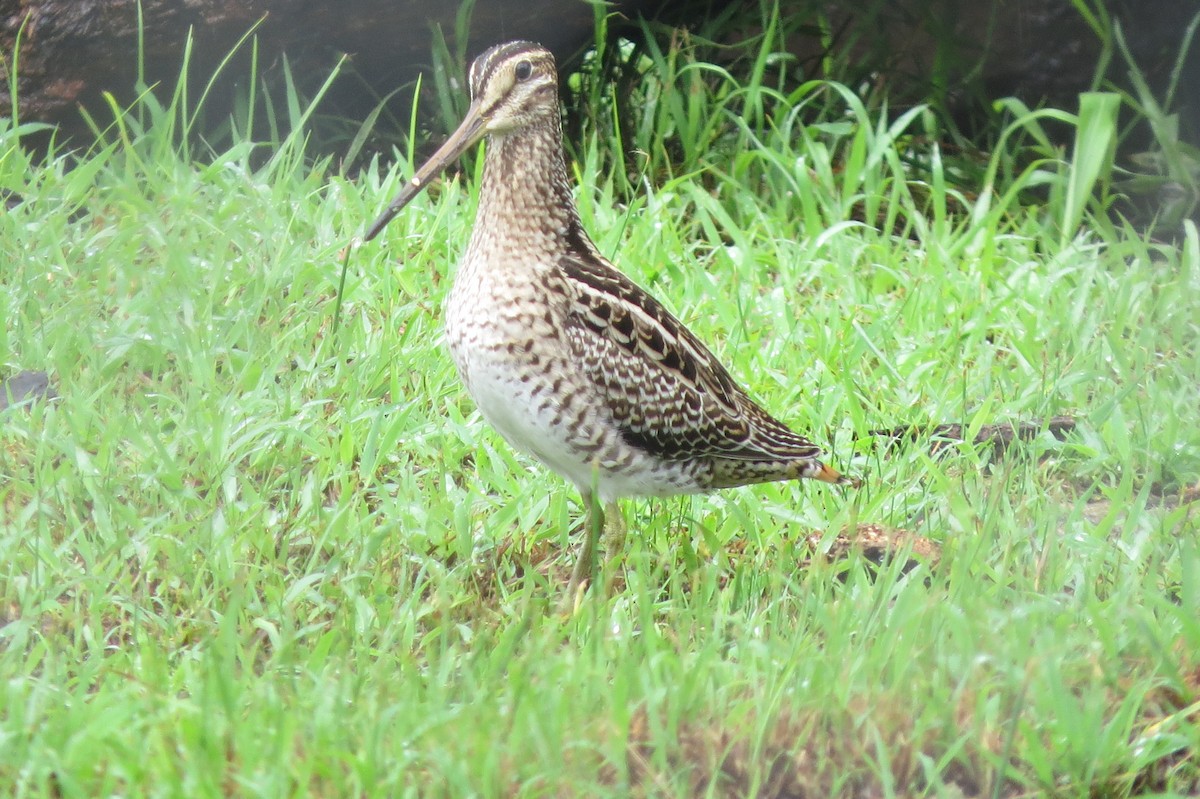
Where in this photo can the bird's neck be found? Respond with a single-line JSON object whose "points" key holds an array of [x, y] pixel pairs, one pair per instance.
{"points": [[525, 202]]}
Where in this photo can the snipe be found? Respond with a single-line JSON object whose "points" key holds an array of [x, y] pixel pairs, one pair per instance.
{"points": [[565, 356]]}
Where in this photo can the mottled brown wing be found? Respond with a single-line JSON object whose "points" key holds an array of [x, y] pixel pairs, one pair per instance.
{"points": [[666, 390]]}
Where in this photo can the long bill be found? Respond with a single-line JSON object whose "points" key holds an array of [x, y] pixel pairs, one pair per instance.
{"points": [[469, 131]]}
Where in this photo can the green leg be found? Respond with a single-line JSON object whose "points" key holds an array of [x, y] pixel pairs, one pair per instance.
{"points": [[614, 537], [584, 573]]}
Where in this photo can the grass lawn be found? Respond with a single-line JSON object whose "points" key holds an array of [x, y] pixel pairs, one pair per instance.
{"points": [[248, 554]]}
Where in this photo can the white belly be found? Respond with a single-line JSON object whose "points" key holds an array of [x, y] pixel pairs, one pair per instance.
{"points": [[529, 421], [490, 343], [532, 423]]}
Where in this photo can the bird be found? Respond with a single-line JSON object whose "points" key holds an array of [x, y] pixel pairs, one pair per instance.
{"points": [[569, 359]]}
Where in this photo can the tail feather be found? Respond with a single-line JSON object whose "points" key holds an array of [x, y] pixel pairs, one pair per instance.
{"points": [[728, 473], [827, 474]]}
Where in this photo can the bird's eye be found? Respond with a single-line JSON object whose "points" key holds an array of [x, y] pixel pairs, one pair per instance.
{"points": [[524, 70]]}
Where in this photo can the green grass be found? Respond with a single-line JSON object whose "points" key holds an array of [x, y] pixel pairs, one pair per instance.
{"points": [[247, 555]]}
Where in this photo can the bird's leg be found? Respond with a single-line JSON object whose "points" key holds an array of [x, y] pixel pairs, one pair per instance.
{"points": [[614, 534], [584, 572]]}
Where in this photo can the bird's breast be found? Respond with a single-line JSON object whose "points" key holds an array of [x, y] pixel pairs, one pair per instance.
{"points": [[503, 318]]}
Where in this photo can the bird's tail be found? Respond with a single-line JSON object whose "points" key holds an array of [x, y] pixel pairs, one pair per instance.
{"points": [[827, 474]]}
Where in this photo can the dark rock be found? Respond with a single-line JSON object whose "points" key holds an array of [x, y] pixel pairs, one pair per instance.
{"points": [[71, 53], [25, 387]]}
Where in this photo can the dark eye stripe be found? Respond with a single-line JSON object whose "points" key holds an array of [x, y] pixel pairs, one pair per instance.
{"points": [[483, 68]]}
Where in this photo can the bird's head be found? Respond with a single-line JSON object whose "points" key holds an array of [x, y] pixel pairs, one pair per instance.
{"points": [[513, 86]]}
